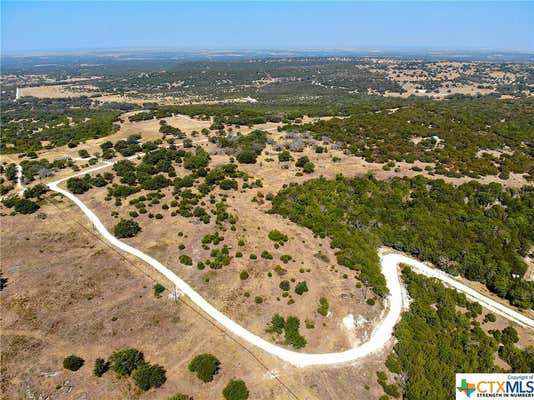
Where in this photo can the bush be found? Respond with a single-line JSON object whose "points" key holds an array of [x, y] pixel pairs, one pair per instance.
{"points": [[301, 288], [308, 168], [284, 156], [323, 306], [158, 289], [101, 367], [265, 254], [83, 153], [509, 336], [205, 366], [149, 376], [302, 161], [25, 206], [185, 259], [126, 228], [124, 362], [78, 185], [247, 157], [292, 335], [490, 317], [228, 184], [285, 258], [284, 285], [236, 390], [243, 275], [393, 364], [72, 362], [277, 236], [180, 396], [258, 299]]}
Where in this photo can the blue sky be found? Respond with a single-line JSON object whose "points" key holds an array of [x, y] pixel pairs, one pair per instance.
{"points": [[39, 26]]}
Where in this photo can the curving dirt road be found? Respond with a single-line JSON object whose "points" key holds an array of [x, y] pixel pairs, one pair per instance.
{"points": [[381, 334]]}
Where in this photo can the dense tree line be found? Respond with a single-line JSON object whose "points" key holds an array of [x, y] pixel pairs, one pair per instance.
{"points": [[479, 231], [439, 336], [16, 140]]}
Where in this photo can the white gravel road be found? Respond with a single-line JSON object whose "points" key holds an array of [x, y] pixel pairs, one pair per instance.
{"points": [[378, 339]]}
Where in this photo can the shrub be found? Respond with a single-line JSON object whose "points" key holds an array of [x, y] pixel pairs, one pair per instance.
{"points": [[126, 228], [236, 390], [323, 306], [247, 156], [25, 206], [393, 364], [83, 153], [185, 259], [205, 366], [265, 254], [371, 302], [228, 184], [243, 275], [180, 396], [302, 161], [258, 299], [158, 289], [78, 185], [72, 362], [490, 317], [285, 258], [101, 367], [284, 285], [292, 335], [308, 168], [124, 362], [509, 336], [284, 156], [301, 288], [277, 324], [392, 390], [277, 236], [149, 376]]}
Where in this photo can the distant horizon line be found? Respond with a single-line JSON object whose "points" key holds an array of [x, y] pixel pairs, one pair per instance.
{"points": [[118, 49]]}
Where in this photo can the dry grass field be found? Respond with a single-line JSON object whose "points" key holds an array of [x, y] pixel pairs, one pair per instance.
{"points": [[69, 292]]}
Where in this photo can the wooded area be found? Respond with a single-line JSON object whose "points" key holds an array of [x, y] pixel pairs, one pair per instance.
{"points": [[479, 231]]}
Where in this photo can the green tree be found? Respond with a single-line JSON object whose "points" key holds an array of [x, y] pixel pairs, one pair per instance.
{"points": [[158, 289], [72, 362], [124, 362], [301, 287], [206, 366], [101, 367], [236, 390], [149, 376], [284, 156], [25, 206], [126, 229]]}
